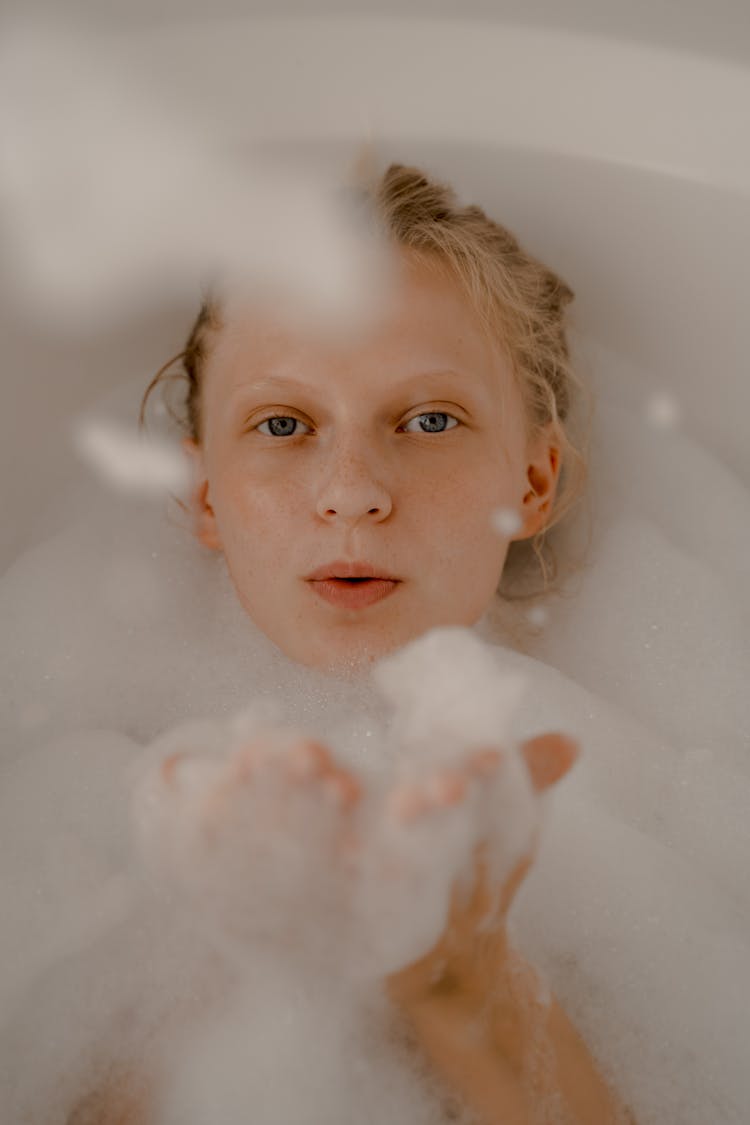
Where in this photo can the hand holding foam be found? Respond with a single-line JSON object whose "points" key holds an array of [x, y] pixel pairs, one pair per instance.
{"points": [[274, 844], [254, 827], [459, 784], [473, 948]]}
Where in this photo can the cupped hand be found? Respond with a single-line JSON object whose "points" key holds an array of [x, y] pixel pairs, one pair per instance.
{"points": [[473, 950]]}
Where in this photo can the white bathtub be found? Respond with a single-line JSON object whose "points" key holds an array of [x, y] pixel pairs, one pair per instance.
{"points": [[618, 152]]}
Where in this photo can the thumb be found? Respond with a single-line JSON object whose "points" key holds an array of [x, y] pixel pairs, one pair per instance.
{"points": [[548, 757]]}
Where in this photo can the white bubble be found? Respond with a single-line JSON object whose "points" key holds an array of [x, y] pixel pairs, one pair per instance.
{"points": [[130, 461], [663, 411], [538, 616], [165, 202], [506, 521]]}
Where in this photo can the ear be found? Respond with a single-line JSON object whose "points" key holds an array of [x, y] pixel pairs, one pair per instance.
{"points": [[204, 520], [544, 461]]}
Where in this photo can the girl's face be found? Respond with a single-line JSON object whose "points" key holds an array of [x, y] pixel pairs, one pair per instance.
{"points": [[392, 452]]}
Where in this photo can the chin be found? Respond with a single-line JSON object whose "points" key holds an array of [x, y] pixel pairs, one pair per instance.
{"points": [[347, 653]]}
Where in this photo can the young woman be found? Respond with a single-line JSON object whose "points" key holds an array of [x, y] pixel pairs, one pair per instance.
{"points": [[362, 490]]}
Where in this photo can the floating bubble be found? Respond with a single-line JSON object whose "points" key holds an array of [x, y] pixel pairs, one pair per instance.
{"points": [[663, 411], [506, 521], [130, 461], [538, 616], [164, 203]]}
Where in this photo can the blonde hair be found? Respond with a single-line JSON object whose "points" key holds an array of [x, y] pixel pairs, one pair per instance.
{"points": [[520, 301]]}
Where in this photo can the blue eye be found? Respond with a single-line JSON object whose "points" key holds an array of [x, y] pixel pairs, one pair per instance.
{"points": [[431, 422], [435, 422], [281, 425]]}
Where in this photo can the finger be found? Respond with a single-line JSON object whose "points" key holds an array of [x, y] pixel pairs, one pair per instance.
{"points": [[447, 788], [343, 788], [407, 803], [170, 768], [307, 759], [548, 758], [484, 763]]}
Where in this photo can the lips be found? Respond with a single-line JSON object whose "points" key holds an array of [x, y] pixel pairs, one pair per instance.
{"points": [[343, 569], [349, 594], [352, 585]]}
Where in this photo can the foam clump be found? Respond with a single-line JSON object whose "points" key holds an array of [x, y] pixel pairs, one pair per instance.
{"points": [[130, 462], [167, 199], [446, 692], [324, 897], [284, 1051], [273, 841]]}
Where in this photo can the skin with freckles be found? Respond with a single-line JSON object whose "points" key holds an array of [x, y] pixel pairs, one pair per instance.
{"points": [[393, 448]]}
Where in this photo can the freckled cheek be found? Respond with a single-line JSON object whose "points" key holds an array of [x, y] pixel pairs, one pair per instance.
{"points": [[464, 500], [457, 520], [262, 510]]}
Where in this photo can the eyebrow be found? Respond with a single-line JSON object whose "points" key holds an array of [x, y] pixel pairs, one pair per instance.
{"points": [[282, 381]]}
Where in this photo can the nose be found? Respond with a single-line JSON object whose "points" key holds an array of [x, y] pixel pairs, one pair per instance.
{"points": [[351, 488]]}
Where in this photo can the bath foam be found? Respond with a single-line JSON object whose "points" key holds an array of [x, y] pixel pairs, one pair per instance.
{"points": [[665, 595], [235, 214], [307, 1035], [637, 908], [391, 908], [292, 1054], [238, 818]]}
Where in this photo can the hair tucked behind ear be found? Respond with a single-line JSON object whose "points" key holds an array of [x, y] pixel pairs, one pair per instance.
{"points": [[192, 359]]}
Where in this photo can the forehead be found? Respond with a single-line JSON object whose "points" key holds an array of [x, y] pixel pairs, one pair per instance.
{"points": [[424, 321]]}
